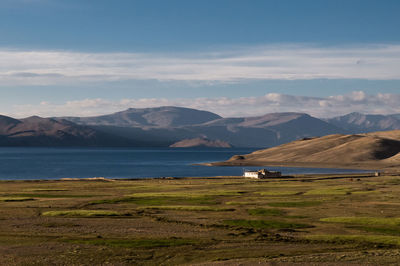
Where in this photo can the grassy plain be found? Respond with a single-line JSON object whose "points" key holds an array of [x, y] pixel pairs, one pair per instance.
{"points": [[323, 219]]}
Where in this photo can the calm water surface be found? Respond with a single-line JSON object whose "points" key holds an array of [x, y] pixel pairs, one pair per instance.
{"points": [[55, 163]]}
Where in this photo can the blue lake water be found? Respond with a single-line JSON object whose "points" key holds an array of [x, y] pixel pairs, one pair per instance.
{"points": [[55, 163]]}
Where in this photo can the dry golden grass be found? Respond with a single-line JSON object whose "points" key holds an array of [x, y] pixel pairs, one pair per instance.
{"points": [[370, 151]]}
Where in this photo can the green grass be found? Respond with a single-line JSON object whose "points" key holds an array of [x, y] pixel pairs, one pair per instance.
{"points": [[135, 243], [263, 224], [329, 191], [159, 200], [83, 213], [394, 181], [241, 202], [363, 220], [294, 204], [188, 208], [381, 230], [34, 195], [189, 194], [47, 190], [15, 199], [372, 239], [266, 212], [363, 192], [277, 193]]}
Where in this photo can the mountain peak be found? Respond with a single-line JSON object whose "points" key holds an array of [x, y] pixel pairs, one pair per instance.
{"points": [[164, 116], [358, 123]]}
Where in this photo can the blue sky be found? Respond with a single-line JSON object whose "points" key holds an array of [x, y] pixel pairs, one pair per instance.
{"points": [[103, 56]]}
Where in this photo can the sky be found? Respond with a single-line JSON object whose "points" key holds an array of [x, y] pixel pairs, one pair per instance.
{"points": [[232, 57]]}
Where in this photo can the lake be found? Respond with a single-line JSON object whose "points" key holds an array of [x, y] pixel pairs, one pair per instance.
{"points": [[54, 163]]}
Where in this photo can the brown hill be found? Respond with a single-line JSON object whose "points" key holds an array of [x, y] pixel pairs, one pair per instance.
{"points": [[370, 151], [200, 142]]}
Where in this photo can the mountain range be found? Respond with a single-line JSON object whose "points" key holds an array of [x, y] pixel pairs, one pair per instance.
{"points": [[164, 126]]}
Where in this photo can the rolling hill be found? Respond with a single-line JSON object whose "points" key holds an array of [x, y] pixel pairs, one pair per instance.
{"points": [[369, 151]]}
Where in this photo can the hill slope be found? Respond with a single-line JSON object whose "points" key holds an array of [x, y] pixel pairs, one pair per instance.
{"points": [[372, 150]]}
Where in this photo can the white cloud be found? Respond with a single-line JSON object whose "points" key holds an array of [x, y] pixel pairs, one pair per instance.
{"points": [[330, 106], [379, 62]]}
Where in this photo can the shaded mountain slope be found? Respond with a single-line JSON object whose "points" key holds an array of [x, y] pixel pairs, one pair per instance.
{"points": [[7, 124], [37, 131]]}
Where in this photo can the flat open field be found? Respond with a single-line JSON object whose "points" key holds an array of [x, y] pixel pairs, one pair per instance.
{"points": [[222, 220]]}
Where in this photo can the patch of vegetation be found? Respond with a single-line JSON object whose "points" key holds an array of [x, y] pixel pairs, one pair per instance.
{"points": [[83, 213], [329, 191], [189, 194], [263, 224], [363, 220], [277, 193], [188, 208], [294, 204], [48, 190], [160, 200], [15, 199], [240, 202], [136, 243], [374, 239], [363, 192], [381, 230], [296, 216], [266, 212], [30, 195], [55, 225], [394, 181]]}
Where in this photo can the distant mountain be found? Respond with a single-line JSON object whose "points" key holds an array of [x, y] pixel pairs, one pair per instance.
{"points": [[268, 130], [164, 126], [168, 116], [200, 142], [372, 150], [361, 123], [37, 131], [261, 131]]}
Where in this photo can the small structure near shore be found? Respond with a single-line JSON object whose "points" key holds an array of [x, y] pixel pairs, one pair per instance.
{"points": [[260, 174]]}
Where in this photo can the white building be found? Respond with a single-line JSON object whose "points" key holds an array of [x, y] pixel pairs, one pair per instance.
{"points": [[263, 173]]}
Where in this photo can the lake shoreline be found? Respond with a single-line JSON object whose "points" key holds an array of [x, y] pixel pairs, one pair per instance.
{"points": [[346, 166]]}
